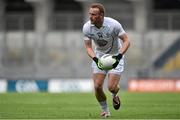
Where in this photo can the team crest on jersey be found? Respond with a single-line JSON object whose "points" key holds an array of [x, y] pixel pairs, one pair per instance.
{"points": [[100, 35], [102, 42]]}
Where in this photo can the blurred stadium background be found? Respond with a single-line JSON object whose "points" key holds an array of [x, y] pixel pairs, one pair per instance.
{"points": [[41, 43]]}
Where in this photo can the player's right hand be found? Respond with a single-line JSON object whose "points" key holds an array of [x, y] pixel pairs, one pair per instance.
{"points": [[98, 63]]}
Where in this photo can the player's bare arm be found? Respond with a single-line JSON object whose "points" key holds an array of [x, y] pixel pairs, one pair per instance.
{"points": [[125, 44], [89, 49], [90, 52]]}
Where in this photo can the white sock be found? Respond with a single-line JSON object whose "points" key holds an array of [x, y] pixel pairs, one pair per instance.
{"points": [[104, 106]]}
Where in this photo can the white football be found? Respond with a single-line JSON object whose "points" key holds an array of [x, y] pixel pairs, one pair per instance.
{"points": [[107, 61]]}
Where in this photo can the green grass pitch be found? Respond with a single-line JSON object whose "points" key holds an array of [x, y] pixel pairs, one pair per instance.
{"points": [[85, 106]]}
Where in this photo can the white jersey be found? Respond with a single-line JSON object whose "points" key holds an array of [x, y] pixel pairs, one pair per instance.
{"points": [[106, 38]]}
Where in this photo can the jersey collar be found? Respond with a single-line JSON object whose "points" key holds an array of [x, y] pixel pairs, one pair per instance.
{"points": [[103, 26]]}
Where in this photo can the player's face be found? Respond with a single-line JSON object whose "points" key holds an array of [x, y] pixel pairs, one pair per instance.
{"points": [[95, 16]]}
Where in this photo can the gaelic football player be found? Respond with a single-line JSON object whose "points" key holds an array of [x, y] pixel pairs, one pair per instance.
{"points": [[107, 34]]}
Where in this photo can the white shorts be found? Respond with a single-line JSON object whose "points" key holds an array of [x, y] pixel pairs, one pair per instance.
{"points": [[118, 70]]}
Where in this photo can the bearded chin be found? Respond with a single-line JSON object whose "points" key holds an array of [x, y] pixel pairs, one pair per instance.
{"points": [[92, 22]]}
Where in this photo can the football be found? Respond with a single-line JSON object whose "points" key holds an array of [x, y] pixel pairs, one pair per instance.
{"points": [[107, 61]]}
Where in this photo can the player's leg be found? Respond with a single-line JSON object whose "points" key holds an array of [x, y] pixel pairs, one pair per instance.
{"points": [[113, 86], [99, 93], [98, 77], [113, 83], [98, 86]]}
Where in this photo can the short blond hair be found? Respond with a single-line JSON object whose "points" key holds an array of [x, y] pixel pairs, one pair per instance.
{"points": [[99, 6]]}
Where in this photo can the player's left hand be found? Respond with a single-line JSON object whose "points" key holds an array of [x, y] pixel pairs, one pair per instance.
{"points": [[118, 58]]}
